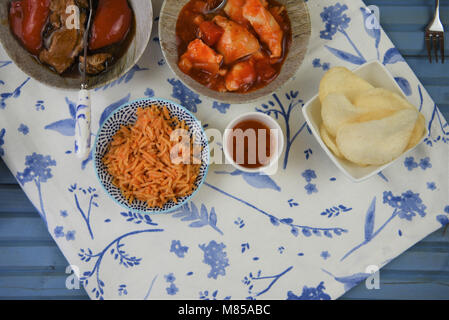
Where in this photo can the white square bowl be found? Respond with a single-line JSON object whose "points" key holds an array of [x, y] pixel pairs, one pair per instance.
{"points": [[378, 76]]}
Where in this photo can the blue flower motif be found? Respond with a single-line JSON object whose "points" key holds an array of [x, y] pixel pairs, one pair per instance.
{"points": [[37, 167], [2, 141], [425, 163], [178, 249], [239, 222], [408, 204], [410, 163], [122, 290], [37, 170], [446, 209], [23, 129], [221, 107], [316, 63], [325, 255], [63, 213], [172, 289], [187, 97], [149, 93], [311, 188], [309, 175], [431, 186], [59, 232], [326, 66], [310, 293], [334, 19], [14, 94], [444, 220], [170, 277], [70, 235], [215, 257], [40, 105]]}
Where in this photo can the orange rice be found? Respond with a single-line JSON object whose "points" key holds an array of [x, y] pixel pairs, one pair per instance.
{"points": [[139, 161]]}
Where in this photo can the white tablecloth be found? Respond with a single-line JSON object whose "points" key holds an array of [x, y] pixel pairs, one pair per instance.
{"points": [[305, 233]]}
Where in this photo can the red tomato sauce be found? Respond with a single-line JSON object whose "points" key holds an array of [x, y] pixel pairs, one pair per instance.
{"points": [[251, 157], [193, 24]]}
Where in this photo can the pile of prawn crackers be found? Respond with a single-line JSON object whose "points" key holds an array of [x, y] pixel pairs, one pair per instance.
{"points": [[363, 124]]}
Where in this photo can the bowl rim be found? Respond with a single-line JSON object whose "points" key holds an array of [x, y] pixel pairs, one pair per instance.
{"points": [[331, 155], [95, 153], [96, 86], [232, 97]]}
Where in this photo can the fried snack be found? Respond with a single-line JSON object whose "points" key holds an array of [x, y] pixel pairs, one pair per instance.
{"points": [[377, 142]]}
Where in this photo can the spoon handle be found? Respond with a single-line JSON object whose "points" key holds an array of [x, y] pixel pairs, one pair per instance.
{"points": [[82, 125]]}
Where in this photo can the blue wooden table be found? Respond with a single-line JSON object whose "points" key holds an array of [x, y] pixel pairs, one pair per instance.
{"points": [[32, 266]]}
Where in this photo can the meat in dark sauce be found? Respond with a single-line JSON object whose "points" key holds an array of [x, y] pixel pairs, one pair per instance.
{"points": [[61, 47], [245, 44]]}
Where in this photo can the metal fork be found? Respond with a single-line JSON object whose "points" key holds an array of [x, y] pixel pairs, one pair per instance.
{"points": [[435, 35]]}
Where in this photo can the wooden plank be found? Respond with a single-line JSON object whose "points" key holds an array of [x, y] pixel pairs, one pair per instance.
{"points": [[405, 21], [32, 254], [13, 228], [422, 261], [405, 3], [6, 176], [402, 291], [40, 297], [35, 286], [13, 199], [413, 16], [441, 234]]}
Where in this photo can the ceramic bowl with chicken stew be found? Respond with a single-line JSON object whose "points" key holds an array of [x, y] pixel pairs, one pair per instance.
{"points": [[45, 38], [237, 54]]}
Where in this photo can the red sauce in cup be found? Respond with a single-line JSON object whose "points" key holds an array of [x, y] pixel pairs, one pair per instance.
{"points": [[252, 131]]}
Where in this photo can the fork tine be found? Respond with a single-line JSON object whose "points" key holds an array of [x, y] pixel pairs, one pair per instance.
{"points": [[442, 47], [435, 46], [429, 46]]}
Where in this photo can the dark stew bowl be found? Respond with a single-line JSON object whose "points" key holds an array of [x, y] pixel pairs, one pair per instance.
{"points": [[143, 12]]}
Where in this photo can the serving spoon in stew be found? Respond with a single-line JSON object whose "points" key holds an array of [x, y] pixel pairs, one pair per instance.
{"points": [[217, 8], [83, 107]]}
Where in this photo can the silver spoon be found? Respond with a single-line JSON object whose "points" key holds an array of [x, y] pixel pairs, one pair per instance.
{"points": [[218, 8]]}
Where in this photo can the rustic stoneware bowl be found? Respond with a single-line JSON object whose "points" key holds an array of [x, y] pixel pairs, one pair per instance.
{"points": [[143, 12], [301, 28]]}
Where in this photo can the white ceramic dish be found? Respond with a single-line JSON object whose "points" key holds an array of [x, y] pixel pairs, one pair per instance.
{"points": [[272, 124], [377, 75]]}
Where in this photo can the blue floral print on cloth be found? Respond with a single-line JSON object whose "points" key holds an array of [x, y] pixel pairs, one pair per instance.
{"points": [[306, 232]]}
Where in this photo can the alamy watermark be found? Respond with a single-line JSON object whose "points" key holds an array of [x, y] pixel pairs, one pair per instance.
{"points": [[372, 21]]}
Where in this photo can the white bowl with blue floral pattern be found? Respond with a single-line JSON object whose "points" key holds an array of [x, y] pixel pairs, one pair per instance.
{"points": [[126, 115]]}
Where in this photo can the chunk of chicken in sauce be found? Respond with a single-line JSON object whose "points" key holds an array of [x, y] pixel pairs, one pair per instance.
{"points": [[265, 26], [234, 11], [236, 42], [242, 75], [200, 56]]}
